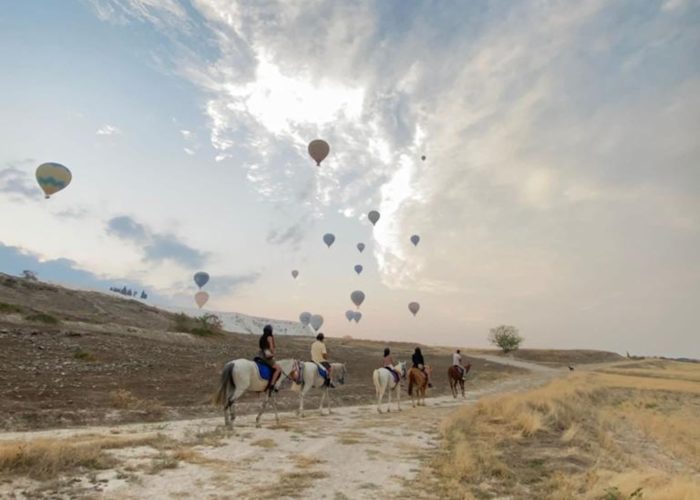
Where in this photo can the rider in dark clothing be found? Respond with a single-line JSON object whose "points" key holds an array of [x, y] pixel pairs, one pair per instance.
{"points": [[419, 362], [267, 354]]}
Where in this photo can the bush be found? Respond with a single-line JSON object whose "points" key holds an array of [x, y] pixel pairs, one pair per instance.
{"points": [[207, 324], [43, 318], [9, 308], [506, 337]]}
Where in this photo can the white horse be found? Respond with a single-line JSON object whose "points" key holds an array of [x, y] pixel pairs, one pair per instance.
{"points": [[311, 378], [242, 375], [384, 382]]}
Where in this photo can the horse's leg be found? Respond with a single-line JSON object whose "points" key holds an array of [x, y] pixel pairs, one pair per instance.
{"points": [[274, 407], [303, 392], [324, 394], [461, 384], [398, 396], [262, 409], [329, 400], [230, 412], [380, 396], [389, 391]]}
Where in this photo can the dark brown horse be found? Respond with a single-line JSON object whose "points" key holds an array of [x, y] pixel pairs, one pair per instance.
{"points": [[455, 377], [419, 379]]}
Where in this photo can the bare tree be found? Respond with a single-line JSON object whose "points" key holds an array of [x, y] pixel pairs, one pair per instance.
{"points": [[29, 275]]}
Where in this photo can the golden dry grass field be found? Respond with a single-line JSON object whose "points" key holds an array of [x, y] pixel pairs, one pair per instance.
{"points": [[629, 430]]}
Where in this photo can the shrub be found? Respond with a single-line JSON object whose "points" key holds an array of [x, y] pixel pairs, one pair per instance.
{"points": [[506, 337], [43, 318], [9, 308]]}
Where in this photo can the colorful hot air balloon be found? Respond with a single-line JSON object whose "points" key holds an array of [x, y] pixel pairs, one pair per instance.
{"points": [[357, 316], [305, 318], [414, 307], [361, 247], [52, 177], [415, 239], [358, 268], [201, 298], [201, 278], [350, 315], [316, 322], [373, 217], [318, 150], [357, 297], [328, 239], [295, 273], [422, 157]]}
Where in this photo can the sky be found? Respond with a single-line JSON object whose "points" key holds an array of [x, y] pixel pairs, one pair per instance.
{"points": [[560, 191]]}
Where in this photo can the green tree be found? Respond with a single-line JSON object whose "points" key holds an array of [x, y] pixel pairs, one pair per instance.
{"points": [[506, 337]]}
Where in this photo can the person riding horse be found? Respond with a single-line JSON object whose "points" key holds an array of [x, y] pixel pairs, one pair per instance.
{"points": [[457, 361], [267, 355], [419, 362], [319, 355], [389, 363]]}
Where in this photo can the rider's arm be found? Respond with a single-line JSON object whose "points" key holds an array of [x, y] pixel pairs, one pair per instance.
{"points": [[271, 343]]}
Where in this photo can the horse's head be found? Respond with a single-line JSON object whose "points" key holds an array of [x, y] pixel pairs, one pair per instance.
{"points": [[402, 369], [339, 371]]}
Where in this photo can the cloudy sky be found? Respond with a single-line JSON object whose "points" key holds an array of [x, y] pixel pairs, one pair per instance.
{"points": [[560, 193]]}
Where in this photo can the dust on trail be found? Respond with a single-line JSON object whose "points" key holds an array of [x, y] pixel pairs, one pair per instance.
{"points": [[353, 453]]}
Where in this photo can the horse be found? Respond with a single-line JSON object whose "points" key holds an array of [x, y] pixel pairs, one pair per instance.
{"points": [[311, 378], [383, 381], [417, 377], [241, 375], [455, 377]]}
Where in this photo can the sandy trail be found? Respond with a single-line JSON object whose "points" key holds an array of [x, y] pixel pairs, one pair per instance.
{"points": [[353, 453]]}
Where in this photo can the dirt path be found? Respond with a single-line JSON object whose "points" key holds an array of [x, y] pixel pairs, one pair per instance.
{"points": [[354, 453]]}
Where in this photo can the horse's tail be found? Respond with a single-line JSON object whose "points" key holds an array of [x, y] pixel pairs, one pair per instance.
{"points": [[375, 378], [226, 386], [411, 378]]}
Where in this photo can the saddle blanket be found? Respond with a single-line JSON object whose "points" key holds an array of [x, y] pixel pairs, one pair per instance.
{"points": [[263, 369], [321, 370], [393, 374]]}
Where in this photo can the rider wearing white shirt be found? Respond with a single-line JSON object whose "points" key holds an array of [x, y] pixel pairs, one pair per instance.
{"points": [[457, 361]]}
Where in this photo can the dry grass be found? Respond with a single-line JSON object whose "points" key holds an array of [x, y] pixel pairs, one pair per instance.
{"points": [[264, 443], [125, 400], [47, 458], [597, 435], [291, 484]]}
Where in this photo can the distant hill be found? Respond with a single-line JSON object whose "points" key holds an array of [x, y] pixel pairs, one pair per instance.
{"points": [[108, 308]]}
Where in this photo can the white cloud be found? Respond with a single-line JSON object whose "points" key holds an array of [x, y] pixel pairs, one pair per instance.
{"points": [[108, 129]]}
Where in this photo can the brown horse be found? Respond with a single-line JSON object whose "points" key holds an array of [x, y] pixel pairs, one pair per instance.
{"points": [[417, 377], [455, 377]]}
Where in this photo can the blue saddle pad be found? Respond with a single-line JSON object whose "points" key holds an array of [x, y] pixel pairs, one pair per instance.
{"points": [[264, 370], [322, 371]]}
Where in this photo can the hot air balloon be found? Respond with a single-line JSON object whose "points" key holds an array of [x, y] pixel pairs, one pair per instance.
{"points": [[295, 273], [318, 150], [422, 157], [350, 315], [414, 307], [328, 239], [358, 268], [316, 322], [201, 278], [201, 298], [361, 247], [52, 177], [415, 239], [373, 217], [305, 318], [357, 316], [357, 297]]}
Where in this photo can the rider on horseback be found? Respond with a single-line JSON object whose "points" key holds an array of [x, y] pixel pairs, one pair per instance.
{"points": [[389, 363], [319, 355], [419, 362], [267, 356], [457, 361]]}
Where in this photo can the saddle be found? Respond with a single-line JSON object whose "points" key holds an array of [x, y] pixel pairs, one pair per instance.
{"points": [[321, 370], [263, 368], [394, 374]]}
